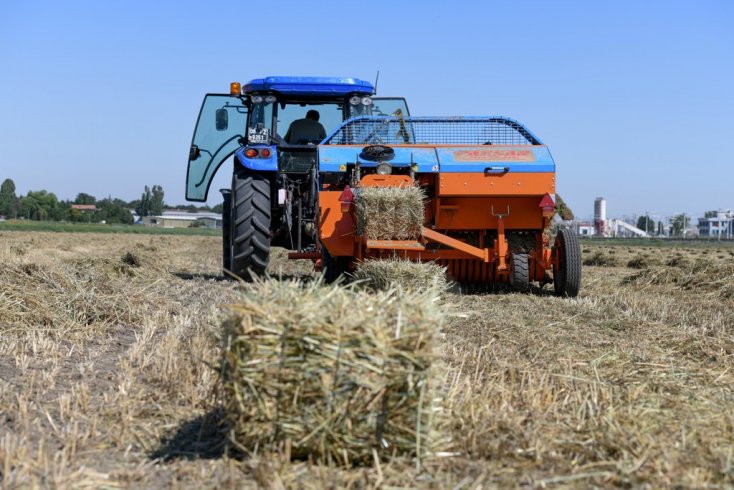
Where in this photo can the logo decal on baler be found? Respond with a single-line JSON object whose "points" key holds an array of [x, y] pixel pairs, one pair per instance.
{"points": [[494, 155]]}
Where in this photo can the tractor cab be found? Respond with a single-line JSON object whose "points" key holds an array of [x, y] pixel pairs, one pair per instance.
{"points": [[253, 123]]}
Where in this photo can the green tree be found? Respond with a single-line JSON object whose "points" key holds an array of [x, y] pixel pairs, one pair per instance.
{"points": [[151, 202], [678, 224], [709, 214], [41, 205], [143, 207], [113, 211], [218, 208], [661, 228], [647, 224], [156, 203], [8, 199], [83, 198]]}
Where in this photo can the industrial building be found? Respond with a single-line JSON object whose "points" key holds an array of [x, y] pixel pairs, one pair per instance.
{"points": [[604, 227], [184, 219]]}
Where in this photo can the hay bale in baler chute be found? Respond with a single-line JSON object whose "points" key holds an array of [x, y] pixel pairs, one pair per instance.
{"points": [[384, 274], [330, 373], [390, 213]]}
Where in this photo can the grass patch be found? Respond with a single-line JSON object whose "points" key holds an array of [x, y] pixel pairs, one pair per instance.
{"points": [[58, 227]]}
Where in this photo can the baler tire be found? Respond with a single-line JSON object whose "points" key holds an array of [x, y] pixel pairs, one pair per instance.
{"points": [[520, 273], [250, 224], [226, 230], [332, 268], [567, 276]]}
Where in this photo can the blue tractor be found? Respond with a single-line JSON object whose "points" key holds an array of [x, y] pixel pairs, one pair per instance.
{"points": [[272, 126]]}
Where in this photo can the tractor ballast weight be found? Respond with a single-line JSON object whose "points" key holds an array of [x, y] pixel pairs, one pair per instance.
{"points": [[489, 185]]}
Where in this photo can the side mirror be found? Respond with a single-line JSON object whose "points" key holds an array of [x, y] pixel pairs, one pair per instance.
{"points": [[222, 120], [194, 153]]}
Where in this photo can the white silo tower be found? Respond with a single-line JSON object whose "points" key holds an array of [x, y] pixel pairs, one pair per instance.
{"points": [[600, 216]]}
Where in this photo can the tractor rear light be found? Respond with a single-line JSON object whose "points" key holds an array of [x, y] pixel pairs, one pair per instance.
{"points": [[235, 88], [265, 153], [346, 199], [251, 153]]}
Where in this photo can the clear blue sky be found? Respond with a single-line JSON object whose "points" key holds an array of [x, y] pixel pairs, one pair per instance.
{"points": [[634, 98]]}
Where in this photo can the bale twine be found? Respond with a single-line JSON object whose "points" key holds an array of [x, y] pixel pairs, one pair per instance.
{"points": [[330, 373], [390, 213], [386, 274]]}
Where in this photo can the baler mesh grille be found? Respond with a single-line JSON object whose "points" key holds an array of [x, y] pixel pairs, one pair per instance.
{"points": [[433, 131]]}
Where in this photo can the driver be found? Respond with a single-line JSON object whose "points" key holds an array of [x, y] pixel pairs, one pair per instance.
{"points": [[307, 130]]}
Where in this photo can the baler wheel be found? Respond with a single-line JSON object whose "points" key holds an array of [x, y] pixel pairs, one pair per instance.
{"points": [[520, 273], [226, 230], [250, 224], [567, 273], [333, 267]]}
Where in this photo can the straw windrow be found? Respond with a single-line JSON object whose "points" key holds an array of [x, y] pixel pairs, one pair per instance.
{"points": [[386, 274]]}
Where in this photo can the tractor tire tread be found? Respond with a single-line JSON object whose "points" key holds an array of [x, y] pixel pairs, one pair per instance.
{"points": [[568, 282], [520, 273], [250, 224]]}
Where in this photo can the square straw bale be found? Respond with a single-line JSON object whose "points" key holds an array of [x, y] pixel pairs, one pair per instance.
{"points": [[386, 274], [331, 373], [390, 213]]}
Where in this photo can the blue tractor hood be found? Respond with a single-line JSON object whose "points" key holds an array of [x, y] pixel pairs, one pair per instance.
{"points": [[313, 86]]}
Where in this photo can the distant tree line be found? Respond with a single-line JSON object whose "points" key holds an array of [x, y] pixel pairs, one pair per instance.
{"points": [[43, 205]]}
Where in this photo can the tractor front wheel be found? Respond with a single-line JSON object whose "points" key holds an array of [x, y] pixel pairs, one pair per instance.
{"points": [[567, 264], [250, 238], [520, 273]]}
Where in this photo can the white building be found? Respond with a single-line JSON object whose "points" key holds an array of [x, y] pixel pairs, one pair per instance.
{"points": [[720, 225], [184, 219]]}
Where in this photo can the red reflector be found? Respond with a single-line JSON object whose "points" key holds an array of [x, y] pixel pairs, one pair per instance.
{"points": [[265, 152], [251, 153], [547, 202], [347, 195]]}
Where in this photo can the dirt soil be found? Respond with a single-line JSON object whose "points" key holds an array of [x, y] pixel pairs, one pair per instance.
{"points": [[109, 343]]}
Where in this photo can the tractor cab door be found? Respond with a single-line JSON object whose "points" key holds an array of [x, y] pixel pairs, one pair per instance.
{"points": [[219, 131]]}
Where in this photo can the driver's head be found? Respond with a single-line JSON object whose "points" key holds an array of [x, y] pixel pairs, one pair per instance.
{"points": [[313, 115]]}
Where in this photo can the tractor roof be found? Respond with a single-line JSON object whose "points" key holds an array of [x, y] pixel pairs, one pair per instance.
{"points": [[310, 86]]}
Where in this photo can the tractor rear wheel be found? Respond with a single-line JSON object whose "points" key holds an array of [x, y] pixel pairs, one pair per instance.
{"points": [[567, 272], [520, 273], [226, 230], [332, 268], [250, 203]]}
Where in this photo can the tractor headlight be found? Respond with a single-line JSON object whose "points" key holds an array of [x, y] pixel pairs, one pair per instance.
{"points": [[384, 169], [270, 99], [355, 100], [367, 100], [256, 99]]}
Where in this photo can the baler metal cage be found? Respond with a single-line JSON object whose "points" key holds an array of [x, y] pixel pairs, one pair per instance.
{"points": [[397, 130]]}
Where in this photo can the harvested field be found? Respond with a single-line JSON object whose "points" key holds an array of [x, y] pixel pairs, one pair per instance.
{"points": [[110, 344]]}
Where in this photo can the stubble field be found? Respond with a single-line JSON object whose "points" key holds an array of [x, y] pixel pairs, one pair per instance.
{"points": [[109, 346]]}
